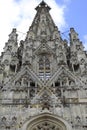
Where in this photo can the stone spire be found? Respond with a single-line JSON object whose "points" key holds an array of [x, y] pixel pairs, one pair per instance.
{"points": [[43, 25]]}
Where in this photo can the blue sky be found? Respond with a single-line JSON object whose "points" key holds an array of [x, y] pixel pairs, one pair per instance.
{"points": [[76, 16], [20, 13]]}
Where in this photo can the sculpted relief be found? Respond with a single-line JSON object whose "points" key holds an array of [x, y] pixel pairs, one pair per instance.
{"points": [[46, 126], [46, 122]]}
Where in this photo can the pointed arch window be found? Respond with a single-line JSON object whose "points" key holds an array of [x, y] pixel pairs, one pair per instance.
{"points": [[44, 67]]}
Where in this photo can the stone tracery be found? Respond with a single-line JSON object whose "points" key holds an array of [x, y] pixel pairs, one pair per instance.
{"points": [[46, 126]]}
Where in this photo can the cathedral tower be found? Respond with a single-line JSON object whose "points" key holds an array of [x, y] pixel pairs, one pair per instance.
{"points": [[43, 82]]}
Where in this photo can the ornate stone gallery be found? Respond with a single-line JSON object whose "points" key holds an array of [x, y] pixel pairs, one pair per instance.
{"points": [[43, 79]]}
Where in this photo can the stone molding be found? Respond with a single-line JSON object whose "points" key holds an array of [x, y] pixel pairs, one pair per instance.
{"points": [[61, 123]]}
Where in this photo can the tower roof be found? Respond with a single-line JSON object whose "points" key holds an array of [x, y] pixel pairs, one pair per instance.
{"points": [[43, 24], [43, 4]]}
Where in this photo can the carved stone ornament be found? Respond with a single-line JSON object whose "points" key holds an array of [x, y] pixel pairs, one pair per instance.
{"points": [[46, 121]]}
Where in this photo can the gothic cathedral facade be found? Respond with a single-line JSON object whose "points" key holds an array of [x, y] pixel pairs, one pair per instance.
{"points": [[43, 81]]}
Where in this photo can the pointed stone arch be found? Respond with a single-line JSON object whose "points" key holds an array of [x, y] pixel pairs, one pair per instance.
{"points": [[46, 121]]}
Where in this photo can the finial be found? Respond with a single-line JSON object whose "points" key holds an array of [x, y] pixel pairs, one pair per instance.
{"points": [[42, 4]]}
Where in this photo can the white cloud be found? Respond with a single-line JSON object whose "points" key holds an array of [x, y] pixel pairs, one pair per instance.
{"points": [[20, 13]]}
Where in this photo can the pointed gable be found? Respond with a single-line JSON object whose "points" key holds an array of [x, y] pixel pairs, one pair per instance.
{"points": [[66, 77], [22, 78], [44, 48]]}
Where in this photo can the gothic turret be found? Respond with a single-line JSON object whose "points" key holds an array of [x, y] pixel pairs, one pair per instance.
{"points": [[78, 55], [9, 57]]}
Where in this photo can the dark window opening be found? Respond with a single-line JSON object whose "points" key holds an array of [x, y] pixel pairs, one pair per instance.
{"points": [[57, 84], [76, 67], [68, 62], [20, 63], [12, 68], [52, 85], [32, 84], [69, 82]]}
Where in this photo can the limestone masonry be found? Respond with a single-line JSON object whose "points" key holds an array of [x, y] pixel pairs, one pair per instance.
{"points": [[43, 82]]}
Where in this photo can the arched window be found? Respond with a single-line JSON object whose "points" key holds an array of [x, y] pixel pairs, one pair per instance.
{"points": [[44, 67]]}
